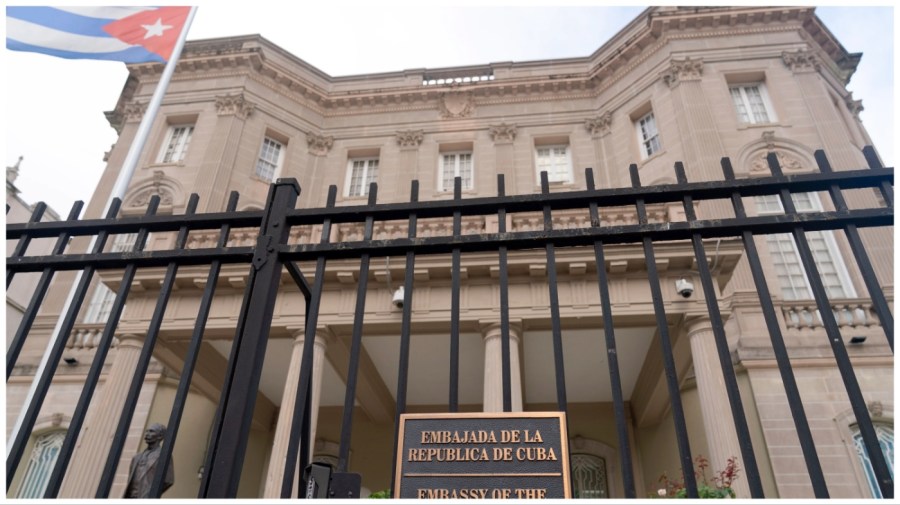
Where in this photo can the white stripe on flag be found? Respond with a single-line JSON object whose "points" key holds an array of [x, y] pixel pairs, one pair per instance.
{"points": [[103, 12], [37, 35]]}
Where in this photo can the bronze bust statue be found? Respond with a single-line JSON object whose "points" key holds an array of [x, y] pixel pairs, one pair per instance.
{"points": [[144, 465]]}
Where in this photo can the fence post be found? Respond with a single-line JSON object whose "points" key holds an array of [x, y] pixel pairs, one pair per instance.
{"points": [[235, 412]]}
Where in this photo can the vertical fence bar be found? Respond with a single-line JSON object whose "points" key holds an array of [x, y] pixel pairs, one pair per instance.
{"points": [[299, 438], [251, 337], [17, 447], [879, 303], [454, 302], [40, 290], [718, 329], [798, 414], [561, 401], [615, 378], [36, 214], [356, 343], [684, 449], [857, 402], [190, 359], [93, 376], [887, 191], [403, 366], [505, 350], [137, 380]]}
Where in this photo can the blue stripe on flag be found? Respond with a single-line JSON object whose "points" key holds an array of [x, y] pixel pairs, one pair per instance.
{"points": [[60, 20], [136, 54]]}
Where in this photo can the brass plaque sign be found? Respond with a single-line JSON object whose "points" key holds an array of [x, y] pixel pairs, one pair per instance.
{"points": [[511, 455]]}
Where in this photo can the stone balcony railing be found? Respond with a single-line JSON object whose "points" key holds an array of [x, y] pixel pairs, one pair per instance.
{"points": [[86, 336], [851, 313]]}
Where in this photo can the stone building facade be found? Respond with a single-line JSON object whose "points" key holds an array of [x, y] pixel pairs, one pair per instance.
{"points": [[676, 84]]}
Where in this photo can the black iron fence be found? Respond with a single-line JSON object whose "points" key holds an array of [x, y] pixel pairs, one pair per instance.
{"points": [[272, 252]]}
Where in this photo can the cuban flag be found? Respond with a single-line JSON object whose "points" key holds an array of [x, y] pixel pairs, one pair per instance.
{"points": [[129, 34]]}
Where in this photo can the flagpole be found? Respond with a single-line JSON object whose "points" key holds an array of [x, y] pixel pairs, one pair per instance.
{"points": [[118, 191]]}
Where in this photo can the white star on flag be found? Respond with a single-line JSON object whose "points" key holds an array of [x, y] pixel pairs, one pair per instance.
{"points": [[156, 29]]}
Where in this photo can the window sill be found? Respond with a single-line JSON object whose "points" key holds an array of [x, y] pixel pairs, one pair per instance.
{"points": [[651, 158], [449, 192], [748, 126], [177, 164], [257, 178]]}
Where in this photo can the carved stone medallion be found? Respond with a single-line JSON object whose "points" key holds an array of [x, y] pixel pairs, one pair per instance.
{"points": [[456, 104]]}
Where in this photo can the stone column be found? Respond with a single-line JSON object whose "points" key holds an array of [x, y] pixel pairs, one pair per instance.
{"points": [[600, 127], [721, 436], [219, 159], [842, 154], [286, 411], [92, 449], [504, 137], [493, 367]]}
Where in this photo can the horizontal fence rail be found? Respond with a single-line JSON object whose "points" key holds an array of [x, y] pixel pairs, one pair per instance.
{"points": [[278, 249]]}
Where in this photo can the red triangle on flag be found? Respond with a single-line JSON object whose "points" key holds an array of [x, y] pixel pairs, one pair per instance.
{"points": [[156, 30]]}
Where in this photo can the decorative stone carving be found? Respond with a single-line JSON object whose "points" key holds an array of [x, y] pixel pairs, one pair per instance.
{"points": [[161, 185], [236, 105], [319, 145], [785, 160], [769, 138], [683, 70], [600, 125], [56, 419], [854, 106], [800, 61], [456, 104], [134, 111], [410, 139], [12, 173], [503, 133], [876, 408]]}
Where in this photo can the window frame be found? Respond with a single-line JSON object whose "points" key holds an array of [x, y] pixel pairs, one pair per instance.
{"points": [[183, 147], [456, 170], [55, 440], [364, 187], [645, 152], [569, 177], [279, 162], [837, 259], [766, 102]]}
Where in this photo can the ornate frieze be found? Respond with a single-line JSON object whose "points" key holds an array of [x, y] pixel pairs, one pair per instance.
{"points": [[236, 105], [134, 111], [319, 145], [503, 133], [688, 69], [786, 161], [456, 104], [800, 61], [410, 139], [600, 125]]}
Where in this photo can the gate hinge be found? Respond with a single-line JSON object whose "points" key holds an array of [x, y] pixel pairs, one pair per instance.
{"points": [[264, 247]]}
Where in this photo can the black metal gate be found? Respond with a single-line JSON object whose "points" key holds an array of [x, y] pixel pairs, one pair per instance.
{"points": [[272, 252]]}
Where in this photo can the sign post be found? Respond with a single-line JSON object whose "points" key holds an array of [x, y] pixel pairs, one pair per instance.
{"points": [[508, 455]]}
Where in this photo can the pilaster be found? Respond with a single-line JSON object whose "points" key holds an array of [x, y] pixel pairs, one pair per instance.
{"points": [[219, 159]]}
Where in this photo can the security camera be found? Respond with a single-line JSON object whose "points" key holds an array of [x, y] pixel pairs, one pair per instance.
{"points": [[684, 287], [397, 300]]}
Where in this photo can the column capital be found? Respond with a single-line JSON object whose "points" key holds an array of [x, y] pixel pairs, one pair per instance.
{"points": [[697, 325], [234, 105], [599, 126], [318, 145], [800, 61], [503, 133], [134, 111], [688, 69], [131, 339], [323, 335], [410, 139], [491, 329]]}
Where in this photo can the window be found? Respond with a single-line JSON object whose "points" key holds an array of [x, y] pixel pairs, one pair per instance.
{"points": [[648, 135], [788, 267], [589, 477], [556, 161], [40, 465], [456, 165], [362, 172], [885, 436], [102, 301], [751, 103], [269, 162], [177, 141]]}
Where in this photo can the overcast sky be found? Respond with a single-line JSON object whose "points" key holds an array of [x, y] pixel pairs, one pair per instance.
{"points": [[54, 107]]}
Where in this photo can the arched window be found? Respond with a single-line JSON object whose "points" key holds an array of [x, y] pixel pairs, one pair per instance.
{"points": [[885, 435], [43, 458], [589, 476]]}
